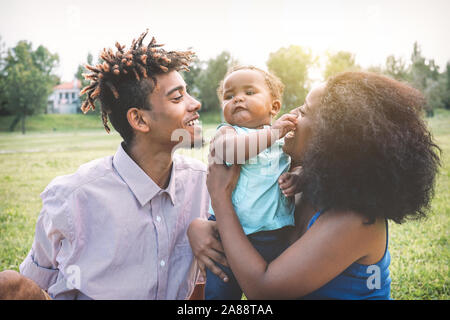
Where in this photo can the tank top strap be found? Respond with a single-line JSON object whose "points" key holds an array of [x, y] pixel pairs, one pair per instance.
{"points": [[314, 218]]}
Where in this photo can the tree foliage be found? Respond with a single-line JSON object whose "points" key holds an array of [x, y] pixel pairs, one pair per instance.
{"points": [[195, 68], [27, 80], [79, 75], [208, 80], [3, 102], [339, 62], [396, 68], [446, 76], [424, 75], [291, 66]]}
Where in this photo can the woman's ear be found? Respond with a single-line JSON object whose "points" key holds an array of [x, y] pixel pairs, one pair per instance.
{"points": [[276, 106], [138, 120]]}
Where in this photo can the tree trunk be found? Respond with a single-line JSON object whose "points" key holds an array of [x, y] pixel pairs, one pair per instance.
{"points": [[13, 124], [23, 123]]}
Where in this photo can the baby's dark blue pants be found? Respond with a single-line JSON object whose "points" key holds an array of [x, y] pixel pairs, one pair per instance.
{"points": [[269, 244]]}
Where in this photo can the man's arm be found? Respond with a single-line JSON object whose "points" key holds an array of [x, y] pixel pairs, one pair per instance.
{"points": [[52, 228]]}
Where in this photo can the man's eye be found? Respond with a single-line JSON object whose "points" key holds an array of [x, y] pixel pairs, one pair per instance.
{"points": [[250, 93], [178, 98]]}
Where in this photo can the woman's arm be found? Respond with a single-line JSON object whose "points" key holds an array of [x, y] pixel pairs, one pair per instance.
{"points": [[335, 241]]}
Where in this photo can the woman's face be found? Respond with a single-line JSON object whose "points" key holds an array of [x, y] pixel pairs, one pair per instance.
{"points": [[296, 142]]}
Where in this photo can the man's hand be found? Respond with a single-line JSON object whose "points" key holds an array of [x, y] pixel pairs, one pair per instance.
{"points": [[203, 237], [290, 182]]}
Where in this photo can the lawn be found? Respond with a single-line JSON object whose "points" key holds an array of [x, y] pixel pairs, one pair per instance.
{"points": [[420, 250]]}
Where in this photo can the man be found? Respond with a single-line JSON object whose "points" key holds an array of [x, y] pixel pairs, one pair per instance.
{"points": [[116, 228]]}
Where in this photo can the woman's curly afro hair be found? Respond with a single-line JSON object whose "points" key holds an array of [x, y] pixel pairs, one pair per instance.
{"points": [[370, 150]]}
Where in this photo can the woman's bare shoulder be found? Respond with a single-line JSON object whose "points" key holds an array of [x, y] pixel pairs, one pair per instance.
{"points": [[371, 236]]}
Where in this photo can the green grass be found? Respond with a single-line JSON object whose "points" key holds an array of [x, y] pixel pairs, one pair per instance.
{"points": [[54, 122], [420, 250]]}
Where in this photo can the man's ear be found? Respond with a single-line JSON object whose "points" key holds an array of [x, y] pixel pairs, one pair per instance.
{"points": [[276, 106], [138, 120]]}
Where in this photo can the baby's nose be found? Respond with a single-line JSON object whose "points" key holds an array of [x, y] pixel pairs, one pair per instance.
{"points": [[238, 98]]}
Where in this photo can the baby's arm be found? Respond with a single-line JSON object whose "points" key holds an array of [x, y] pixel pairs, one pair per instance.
{"points": [[236, 149]]}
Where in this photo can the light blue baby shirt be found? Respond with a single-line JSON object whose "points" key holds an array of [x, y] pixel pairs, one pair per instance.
{"points": [[257, 199]]}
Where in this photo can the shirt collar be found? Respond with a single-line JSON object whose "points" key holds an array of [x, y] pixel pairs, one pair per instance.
{"points": [[142, 186]]}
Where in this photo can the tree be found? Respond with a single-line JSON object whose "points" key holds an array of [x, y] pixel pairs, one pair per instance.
{"points": [[79, 75], [81, 69], [28, 80], [3, 98], [291, 66], [424, 75], [208, 80], [191, 77], [446, 77], [339, 62], [396, 68]]}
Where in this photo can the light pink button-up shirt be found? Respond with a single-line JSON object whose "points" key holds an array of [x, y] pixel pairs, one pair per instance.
{"points": [[109, 232]]}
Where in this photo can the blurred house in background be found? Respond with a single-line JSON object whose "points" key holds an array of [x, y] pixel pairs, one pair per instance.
{"points": [[65, 98]]}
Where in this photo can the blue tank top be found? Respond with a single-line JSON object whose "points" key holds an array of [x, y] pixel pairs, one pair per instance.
{"points": [[358, 281]]}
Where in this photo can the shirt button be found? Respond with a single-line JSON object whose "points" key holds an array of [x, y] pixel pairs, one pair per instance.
{"points": [[158, 218], [162, 263]]}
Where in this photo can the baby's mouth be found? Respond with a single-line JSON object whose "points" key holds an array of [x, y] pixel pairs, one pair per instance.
{"points": [[239, 108]]}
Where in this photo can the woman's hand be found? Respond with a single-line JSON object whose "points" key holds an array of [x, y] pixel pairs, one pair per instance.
{"points": [[203, 238], [290, 182], [221, 181]]}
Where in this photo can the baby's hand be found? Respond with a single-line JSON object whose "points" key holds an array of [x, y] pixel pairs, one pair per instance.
{"points": [[290, 182], [287, 122]]}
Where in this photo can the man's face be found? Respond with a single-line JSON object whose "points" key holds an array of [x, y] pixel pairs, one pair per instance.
{"points": [[173, 111]]}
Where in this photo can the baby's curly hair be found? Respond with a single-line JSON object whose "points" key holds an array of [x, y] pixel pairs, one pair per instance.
{"points": [[370, 150], [126, 78], [274, 84]]}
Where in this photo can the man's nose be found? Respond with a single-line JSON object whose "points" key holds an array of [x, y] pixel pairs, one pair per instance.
{"points": [[194, 105]]}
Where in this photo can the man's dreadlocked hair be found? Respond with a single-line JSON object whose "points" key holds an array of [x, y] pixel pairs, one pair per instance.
{"points": [[126, 78]]}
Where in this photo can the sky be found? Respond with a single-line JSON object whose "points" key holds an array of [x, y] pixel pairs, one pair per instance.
{"points": [[249, 29]]}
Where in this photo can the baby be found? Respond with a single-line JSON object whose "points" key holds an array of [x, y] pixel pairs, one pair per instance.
{"points": [[250, 99]]}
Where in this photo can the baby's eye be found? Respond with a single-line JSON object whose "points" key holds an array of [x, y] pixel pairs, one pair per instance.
{"points": [[228, 97]]}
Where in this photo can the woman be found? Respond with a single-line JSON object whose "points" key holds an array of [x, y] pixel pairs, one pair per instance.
{"points": [[366, 157]]}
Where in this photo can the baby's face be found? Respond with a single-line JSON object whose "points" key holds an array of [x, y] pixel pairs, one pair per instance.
{"points": [[246, 99]]}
